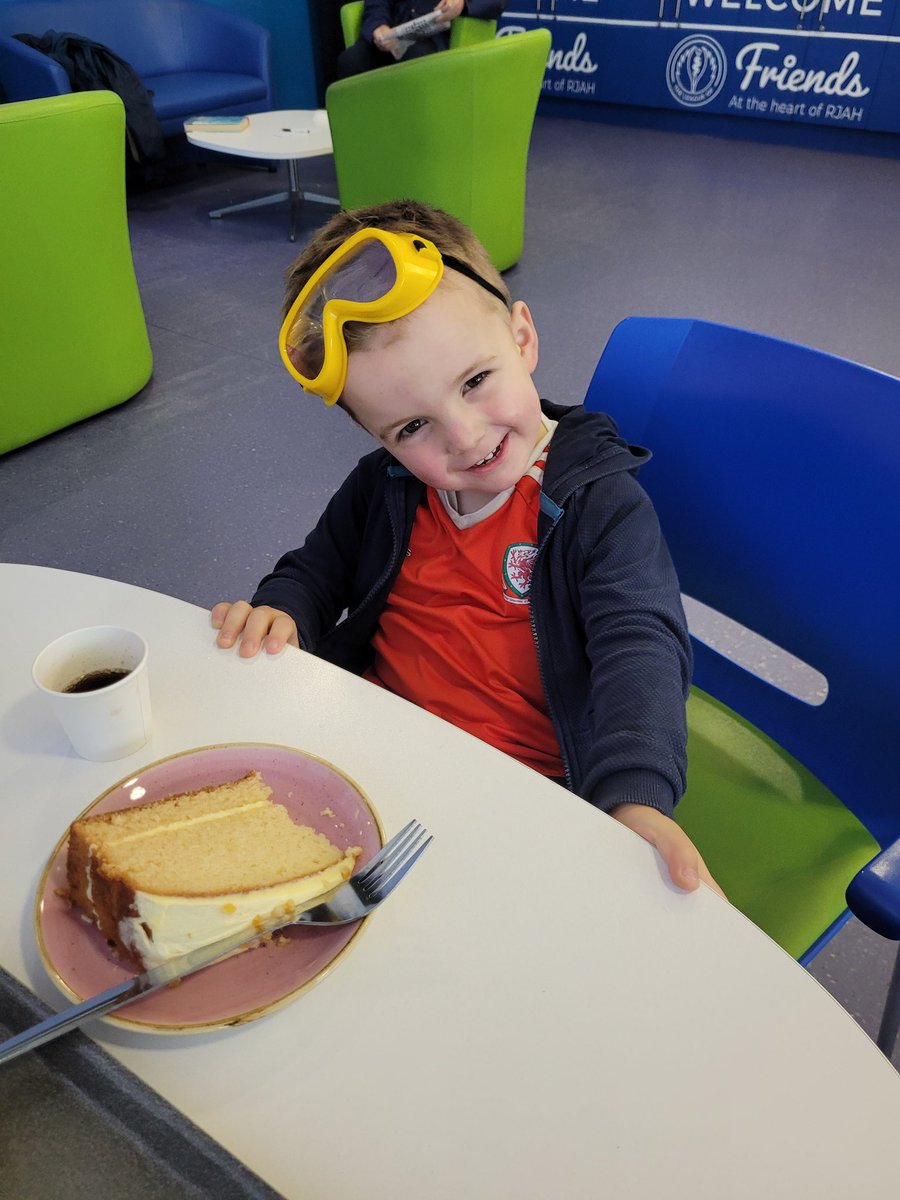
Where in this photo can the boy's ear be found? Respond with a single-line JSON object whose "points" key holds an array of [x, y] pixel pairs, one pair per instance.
{"points": [[525, 334]]}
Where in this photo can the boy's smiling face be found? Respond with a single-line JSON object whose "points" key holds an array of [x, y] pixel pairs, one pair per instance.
{"points": [[448, 391]]}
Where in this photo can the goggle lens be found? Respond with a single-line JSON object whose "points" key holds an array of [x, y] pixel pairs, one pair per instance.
{"points": [[365, 275]]}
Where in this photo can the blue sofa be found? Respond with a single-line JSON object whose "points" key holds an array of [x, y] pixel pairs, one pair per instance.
{"points": [[193, 57]]}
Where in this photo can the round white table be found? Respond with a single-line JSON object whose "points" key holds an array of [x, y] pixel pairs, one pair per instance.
{"points": [[286, 135], [536, 1012]]}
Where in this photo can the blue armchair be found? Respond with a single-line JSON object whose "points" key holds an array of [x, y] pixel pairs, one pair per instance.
{"points": [[192, 57]]}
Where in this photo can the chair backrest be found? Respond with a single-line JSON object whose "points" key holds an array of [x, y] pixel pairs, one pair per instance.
{"points": [[103, 21], [451, 129], [73, 340], [468, 31], [776, 476], [351, 21], [156, 37]]}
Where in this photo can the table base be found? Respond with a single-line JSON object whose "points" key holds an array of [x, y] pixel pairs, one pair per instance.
{"points": [[294, 195]]}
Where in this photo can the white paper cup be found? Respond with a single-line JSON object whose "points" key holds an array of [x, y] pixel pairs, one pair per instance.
{"points": [[107, 722]]}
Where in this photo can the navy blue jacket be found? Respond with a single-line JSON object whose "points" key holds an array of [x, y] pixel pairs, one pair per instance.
{"points": [[606, 611]]}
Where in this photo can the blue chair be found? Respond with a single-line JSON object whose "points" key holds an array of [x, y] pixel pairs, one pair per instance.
{"points": [[776, 476]]}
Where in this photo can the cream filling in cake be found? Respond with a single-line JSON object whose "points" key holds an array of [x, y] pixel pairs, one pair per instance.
{"points": [[182, 924], [171, 876]]}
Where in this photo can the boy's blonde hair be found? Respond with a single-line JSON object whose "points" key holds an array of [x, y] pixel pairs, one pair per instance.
{"points": [[450, 236]]}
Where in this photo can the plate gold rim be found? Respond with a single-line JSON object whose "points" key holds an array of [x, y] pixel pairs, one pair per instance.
{"points": [[240, 1018]]}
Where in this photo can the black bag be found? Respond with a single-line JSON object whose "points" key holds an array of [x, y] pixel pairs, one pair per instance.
{"points": [[93, 67]]}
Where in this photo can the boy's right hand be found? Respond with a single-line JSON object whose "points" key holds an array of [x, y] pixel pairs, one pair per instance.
{"points": [[254, 627]]}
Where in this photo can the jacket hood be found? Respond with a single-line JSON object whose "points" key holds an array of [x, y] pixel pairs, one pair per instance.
{"points": [[586, 446]]}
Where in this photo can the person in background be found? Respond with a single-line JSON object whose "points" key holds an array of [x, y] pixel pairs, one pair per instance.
{"points": [[373, 48]]}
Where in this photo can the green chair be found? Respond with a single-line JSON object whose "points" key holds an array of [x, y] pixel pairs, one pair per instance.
{"points": [[451, 129], [775, 473], [73, 340], [464, 31]]}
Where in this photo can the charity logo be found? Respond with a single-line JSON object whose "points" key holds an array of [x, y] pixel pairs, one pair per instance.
{"points": [[696, 70], [518, 562]]}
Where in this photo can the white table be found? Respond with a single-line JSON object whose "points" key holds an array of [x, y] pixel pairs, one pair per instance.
{"points": [[536, 1013], [286, 135]]}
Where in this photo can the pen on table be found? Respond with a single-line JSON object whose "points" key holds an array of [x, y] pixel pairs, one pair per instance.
{"points": [[288, 129]]}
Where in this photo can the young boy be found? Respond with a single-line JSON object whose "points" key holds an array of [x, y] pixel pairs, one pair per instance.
{"points": [[497, 561]]}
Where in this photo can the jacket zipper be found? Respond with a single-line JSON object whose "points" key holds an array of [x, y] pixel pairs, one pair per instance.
{"points": [[566, 761]]}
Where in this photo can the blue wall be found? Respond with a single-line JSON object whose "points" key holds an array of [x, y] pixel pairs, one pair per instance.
{"points": [[827, 69], [293, 64]]}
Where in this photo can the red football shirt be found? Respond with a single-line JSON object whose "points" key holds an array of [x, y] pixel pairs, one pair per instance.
{"points": [[455, 636]]}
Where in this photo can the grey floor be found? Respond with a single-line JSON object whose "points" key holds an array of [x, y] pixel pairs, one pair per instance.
{"points": [[197, 484]]}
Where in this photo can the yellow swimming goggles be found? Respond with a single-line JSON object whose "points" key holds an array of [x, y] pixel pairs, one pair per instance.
{"points": [[374, 276]]}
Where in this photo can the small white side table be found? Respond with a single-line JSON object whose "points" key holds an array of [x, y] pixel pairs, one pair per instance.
{"points": [[286, 135]]}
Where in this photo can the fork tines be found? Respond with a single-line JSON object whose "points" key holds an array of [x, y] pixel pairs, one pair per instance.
{"points": [[387, 868]]}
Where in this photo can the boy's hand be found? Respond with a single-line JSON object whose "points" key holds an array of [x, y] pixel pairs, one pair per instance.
{"points": [[255, 627], [681, 856]]}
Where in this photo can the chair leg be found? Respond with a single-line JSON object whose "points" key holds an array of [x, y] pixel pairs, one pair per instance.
{"points": [[890, 1018]]}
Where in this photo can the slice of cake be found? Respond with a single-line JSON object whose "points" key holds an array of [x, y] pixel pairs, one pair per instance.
{"points": [[163, 878]]}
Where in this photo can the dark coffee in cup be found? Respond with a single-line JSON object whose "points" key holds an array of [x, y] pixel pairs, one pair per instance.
{"points": [[94, 680]]}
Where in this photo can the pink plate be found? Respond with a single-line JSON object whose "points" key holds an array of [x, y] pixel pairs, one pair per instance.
{"points": [[250, 984]]}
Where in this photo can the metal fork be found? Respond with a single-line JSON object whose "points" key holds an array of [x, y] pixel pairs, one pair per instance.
{"points": [[354, 899], [368, 887]]}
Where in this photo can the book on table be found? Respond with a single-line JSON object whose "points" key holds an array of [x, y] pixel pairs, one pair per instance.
{"points": [[216, 124]]}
